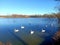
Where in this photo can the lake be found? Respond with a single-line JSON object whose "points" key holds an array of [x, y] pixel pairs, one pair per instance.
{"points": [[27, 31]]}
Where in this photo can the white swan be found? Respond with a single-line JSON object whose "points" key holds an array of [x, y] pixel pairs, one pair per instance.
{"points": [[32, 32], [16, 30], [22, 27]]}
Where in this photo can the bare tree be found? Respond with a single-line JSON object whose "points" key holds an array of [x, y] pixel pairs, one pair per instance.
{"points": [[57, 7]]}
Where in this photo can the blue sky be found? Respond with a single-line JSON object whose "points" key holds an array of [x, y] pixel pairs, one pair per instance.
{"points": [[27, 6]]}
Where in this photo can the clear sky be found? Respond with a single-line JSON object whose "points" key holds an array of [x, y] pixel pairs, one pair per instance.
{"points": [[27, 6]]}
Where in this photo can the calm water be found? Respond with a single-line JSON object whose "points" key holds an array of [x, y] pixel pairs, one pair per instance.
{"points": [[33, 32]]}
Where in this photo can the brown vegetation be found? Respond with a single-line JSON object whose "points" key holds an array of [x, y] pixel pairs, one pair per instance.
{"points": [[57, 36], [34, 16], [7, 43]]}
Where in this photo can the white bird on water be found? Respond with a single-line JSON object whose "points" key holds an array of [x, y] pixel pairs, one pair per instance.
{"points": [[16, 30], [22, 27], [32, 32], [46, 26], [43, 30]]}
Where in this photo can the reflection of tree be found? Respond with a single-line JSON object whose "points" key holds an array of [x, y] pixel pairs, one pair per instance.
{"points": [[17, 37]]}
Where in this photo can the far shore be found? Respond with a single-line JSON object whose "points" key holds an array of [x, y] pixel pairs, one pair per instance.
{"points": [[31, 16]]}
